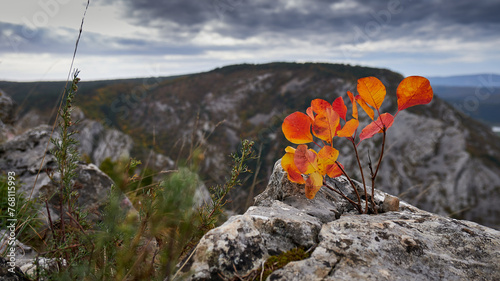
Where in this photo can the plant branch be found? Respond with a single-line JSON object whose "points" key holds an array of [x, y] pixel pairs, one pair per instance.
{"points": [[358, 206], [374, 175], [353, 186], [362, 174]]}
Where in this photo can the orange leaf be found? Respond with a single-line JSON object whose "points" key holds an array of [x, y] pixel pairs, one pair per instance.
{"points": [[326, 157], [297, 128], [384, 120], [412, 91], [310, 113], [372, 91], [325, 124], [334, 170], [338, 106], [313, 184], [305, 159], [365, 107], [288, 164], [349, 128], [354, 106], [320, 105]]}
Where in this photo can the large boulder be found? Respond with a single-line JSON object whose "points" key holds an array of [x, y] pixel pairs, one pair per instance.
{"points": [[408, 244]]}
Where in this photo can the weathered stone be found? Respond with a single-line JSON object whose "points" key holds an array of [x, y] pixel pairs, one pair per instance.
{"points": [[100, 143], [22, 251], [24, 156], [390, 203], [7, 274], [244, 242], [400, 246], [7, 109], [7, 117], [409, 244]]}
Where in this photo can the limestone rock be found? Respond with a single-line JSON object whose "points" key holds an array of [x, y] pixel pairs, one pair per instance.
{"points": [[5, 274], [409, 244], [7, 117], [24, 154], [100, 143], [7, 109]]}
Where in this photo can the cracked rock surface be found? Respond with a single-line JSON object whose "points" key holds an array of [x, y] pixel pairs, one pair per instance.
{"points": [[409, 244]]}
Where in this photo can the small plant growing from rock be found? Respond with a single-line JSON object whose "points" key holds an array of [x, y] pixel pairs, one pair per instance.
{"points": [[322, 122]]}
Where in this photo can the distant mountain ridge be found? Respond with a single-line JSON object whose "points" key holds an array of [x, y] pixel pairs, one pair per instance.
{"points": [[474, 80], [475, 95]]}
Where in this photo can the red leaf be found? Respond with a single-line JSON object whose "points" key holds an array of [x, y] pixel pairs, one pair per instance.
{"points": [[320, 105], [385, 120], [334, 170], [338, 106], [310, 113], [412, 91], [297, 128], [305, 159]]}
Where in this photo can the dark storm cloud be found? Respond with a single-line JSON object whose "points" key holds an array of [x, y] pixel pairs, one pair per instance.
{"points": [[244, 18], [322, 23]]}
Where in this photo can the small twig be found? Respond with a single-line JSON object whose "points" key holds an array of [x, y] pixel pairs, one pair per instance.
{"points": [[362, 174], [347, 198], [184, 264], [376, 170], [50, 218], [61, 249], [353, 186], [262, 271]]}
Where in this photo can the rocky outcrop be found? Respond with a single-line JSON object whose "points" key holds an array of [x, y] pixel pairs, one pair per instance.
{"points": [[7, 109], [28, 156], [409, 244], [7, 117], [11, 273], [98, 142]]}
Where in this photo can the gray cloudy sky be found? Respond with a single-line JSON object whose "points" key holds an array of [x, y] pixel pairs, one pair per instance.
{"points": [[138, 38]]}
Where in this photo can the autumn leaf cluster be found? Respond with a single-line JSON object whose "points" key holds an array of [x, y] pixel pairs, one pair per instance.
{"points": [[323, 121]]}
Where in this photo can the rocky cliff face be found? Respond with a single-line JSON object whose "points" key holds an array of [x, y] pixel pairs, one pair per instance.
{"points": [[409, 244]]}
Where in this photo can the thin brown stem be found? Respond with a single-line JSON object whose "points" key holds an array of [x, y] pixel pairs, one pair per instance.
{"points": [[362, 174], [319, 146], [345, 197], [61, 249], [50, 219], [376, 169], [352, 184]]}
